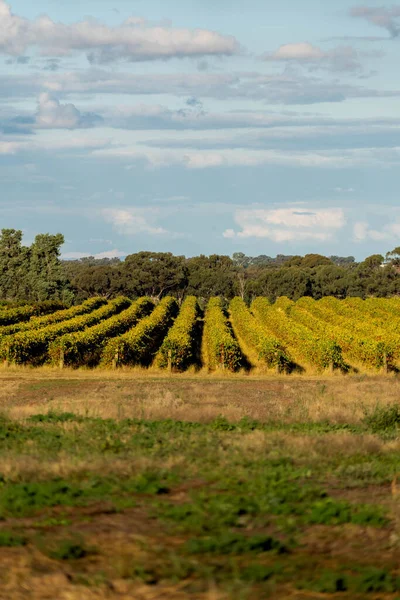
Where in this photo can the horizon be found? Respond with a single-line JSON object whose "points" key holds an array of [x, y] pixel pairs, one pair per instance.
{"points": [[201, 129]]}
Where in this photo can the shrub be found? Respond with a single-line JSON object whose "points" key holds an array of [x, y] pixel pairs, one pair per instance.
{"points": [[220, 348]]}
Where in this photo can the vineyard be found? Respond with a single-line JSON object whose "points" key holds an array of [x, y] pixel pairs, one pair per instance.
{"points": [[306, 336]]}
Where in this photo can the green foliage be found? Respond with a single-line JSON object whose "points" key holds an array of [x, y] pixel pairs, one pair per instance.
{"points": [[227, 507], [363, 580], [14, 265], [70, 548], [234, 543], [383, 418], [26, 499], [327, 582], [85, 347], [53, 317], [32, 346], [374, 580], [153, 274], [269, 348], [211, 276], [20, 314], [220, 348], [9, 539], [140, 344], [179, 345], [45, 276], [358, 337], [55, 417], [332, 512]]}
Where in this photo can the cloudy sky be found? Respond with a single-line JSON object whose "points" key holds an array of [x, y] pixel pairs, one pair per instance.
{"points": [[197, 126]]}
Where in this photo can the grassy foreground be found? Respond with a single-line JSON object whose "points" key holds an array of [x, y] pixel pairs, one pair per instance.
{"points": [[122, 486]]}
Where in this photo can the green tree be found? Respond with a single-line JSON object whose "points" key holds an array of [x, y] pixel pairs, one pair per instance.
{"points": [[393, 257], [329, 280], [213, 275], [312, 261], [292, 282], [14, 265], [371, 263], [154, 274], [46, 277]]}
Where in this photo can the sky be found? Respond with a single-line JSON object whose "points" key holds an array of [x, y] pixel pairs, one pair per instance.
{"points": [[201, 127]]}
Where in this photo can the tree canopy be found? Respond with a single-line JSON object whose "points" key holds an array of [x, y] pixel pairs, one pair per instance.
{"points": [[36, 272]]}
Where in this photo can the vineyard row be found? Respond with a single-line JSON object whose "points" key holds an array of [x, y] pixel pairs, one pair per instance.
{"points": [[328, 334]]}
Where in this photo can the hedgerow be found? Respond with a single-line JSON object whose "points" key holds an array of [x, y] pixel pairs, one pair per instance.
{"points": [[359, 339], [178, 347], [269, 348], [378, 312], [220, 348], [85, 347], [55, 317], [24, 313], [316, 349], [140, 344], [31, 346]]}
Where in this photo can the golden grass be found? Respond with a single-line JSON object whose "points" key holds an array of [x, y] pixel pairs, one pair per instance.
{"points": [[134, 393], [23, 467]]}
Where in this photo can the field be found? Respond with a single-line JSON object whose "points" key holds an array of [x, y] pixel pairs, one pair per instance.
{"points": [[123, 484], [156, 451], [307, 336]]}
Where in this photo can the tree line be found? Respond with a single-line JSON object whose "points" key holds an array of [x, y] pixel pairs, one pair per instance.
{"points": [[36, 273]]}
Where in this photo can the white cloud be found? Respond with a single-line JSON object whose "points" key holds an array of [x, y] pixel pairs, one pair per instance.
{"points": [[242, 157], [52, 114], [341, 58], [133, 221], [348, 190], [9, 147], [387, 18], [362, 231], [301, 51], [290, 87], [134, 39], [288, 224], [67, 142]]}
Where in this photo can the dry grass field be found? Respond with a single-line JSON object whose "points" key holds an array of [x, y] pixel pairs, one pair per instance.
{"points": [[129, 484]]}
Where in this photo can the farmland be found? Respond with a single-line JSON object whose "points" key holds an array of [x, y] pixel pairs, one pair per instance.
{"points": [[119, 485], [163, 450], [307, 336]]}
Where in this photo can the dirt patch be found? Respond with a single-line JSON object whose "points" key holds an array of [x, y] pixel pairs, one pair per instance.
{"points": [[368, 545]]}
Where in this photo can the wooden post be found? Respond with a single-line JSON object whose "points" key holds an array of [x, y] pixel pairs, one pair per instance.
{"points": [[385, 363], [278, 369], [61, 363], [170, 361], [223, 359], [115, 360], [331, 367], [7, 358]]}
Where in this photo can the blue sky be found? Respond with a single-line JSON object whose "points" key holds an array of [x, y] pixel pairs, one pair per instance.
{"points": [[201, 127]]}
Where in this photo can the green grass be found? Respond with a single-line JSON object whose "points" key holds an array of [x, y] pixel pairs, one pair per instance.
{"points": [[233, 543], [25, 499], [383, 418], [70, 548], [369, 580], [9, 539], [235, 503]]}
